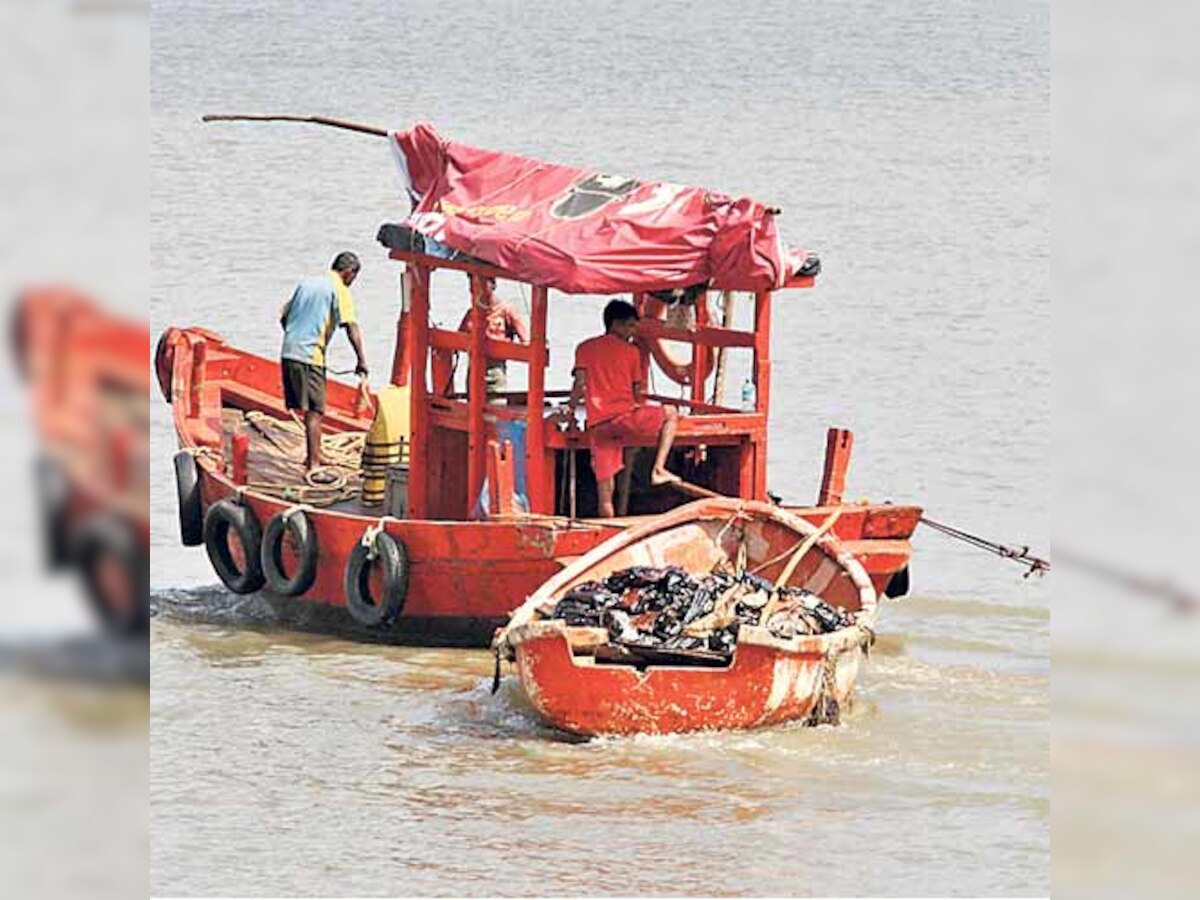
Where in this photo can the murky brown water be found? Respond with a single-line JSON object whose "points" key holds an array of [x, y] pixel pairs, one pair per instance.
{"points": [[909, 146]]}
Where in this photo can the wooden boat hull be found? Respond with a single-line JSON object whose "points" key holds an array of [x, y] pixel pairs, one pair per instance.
{"points": [[466, 577], [769, 680], [87, 379]]}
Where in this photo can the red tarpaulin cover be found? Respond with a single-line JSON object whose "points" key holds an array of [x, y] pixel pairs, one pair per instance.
{"points": [[586, 232]]}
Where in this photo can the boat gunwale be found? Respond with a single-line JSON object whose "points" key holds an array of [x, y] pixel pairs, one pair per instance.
{"points": [[523, 628]]}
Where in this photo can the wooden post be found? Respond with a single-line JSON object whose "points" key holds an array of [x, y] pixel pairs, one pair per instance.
{"points": [[718, 393], [199, 361], [239, 443], [402, 352], [699, 358], [762, 352], [418, 486], [838, 444], [500, 478], [762, 388], [476, 394], [538, 473]]}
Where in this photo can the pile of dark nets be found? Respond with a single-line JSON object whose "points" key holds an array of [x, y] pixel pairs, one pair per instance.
{"points": [[671, 610]]}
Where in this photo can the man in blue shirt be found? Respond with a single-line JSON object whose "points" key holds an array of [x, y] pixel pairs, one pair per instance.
{"points": [[319, 305]]}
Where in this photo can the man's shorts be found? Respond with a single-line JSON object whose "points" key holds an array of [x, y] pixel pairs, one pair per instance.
{"points": [[609, 439], [303, 386]]}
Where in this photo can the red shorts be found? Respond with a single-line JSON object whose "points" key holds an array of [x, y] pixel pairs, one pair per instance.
{"points": [[610, 438]]}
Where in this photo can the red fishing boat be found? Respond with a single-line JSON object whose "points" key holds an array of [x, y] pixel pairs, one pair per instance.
{"points": [[767, 679], [88, 384], [499, 496]]}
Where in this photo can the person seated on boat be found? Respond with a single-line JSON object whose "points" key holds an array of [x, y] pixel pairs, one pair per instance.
{"points": [[609, 378], [318, 307], [504, 323]]}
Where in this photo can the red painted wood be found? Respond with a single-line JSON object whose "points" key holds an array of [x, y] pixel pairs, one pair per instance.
{"points": [[767, 681], [418, 485], [500, 478], [483, 569], [402, 355], [476, 395], [704, 335], [240, 450], [539, 459], [85, 370], [839, 443]]}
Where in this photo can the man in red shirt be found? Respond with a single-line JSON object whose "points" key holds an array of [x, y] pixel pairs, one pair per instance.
{"points": [[609, 374], [504, 323]]}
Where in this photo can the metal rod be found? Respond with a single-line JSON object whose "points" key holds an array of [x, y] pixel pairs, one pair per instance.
{"points": [[314, 120]]}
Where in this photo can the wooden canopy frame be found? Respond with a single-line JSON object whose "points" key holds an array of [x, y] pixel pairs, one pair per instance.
{"points": [[705, 423]]}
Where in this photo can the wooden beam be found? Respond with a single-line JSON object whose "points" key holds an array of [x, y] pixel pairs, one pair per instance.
{"points": [[762, 386], [431, 263], [418, 488], [704, 334], [538, 473], [476, 394], [839, 442]]}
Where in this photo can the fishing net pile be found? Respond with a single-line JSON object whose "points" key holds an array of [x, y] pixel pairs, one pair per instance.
{"points": [[647, 609]]}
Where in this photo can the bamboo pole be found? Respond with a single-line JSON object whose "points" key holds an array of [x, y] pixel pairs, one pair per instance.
{"points": [[804, 548], [313, 120]]}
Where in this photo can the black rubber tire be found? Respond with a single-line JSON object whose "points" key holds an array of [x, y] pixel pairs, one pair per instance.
{"points": [[225, 516], [164, 362], [107, 535], [393, 556], [53, 498], [305, 538], [187, 490], [18, 339]]}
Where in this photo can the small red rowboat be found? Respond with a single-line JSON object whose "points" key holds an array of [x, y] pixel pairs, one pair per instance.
{"points": [[766, 680]]}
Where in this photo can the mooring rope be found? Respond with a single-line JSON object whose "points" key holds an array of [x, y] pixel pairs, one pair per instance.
{"points": [[1036, 565]]}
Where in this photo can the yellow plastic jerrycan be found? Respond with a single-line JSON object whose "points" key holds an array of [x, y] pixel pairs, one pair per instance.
{"points": [[387, 441]]}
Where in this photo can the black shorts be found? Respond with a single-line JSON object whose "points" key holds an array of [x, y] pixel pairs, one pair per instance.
{"points": [[303, 386]]}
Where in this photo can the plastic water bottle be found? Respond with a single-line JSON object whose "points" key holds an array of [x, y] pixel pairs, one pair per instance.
{"points": [[748, 396]]}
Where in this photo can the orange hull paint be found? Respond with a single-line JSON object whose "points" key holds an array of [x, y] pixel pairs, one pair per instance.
{"points": [[72, 353], [765, 685], [466, 576], [769, 680]]}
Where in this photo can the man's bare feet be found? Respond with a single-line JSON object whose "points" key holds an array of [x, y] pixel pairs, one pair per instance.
{"points": [[662, 476]]}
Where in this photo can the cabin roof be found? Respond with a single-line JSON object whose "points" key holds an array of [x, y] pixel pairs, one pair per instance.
{"points": [[582, 231]]}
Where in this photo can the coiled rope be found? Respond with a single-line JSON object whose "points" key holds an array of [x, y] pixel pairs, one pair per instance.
{"points": [[325, 486]]}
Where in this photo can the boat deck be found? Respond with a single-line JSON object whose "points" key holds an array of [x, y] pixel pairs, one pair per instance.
{"points": [[275, 461]]}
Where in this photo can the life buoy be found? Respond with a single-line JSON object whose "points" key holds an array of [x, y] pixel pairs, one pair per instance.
{"points": [[304, 538], [674, 365], [116, 573], [390, 553], [54, 496], [226, 516], [187, 491]]}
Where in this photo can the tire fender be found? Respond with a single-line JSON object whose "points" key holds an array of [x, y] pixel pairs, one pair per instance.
{"points": [[187, 490], [390, 553], [304, 536], [53, 498], [107, 536], [227, 516]]}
